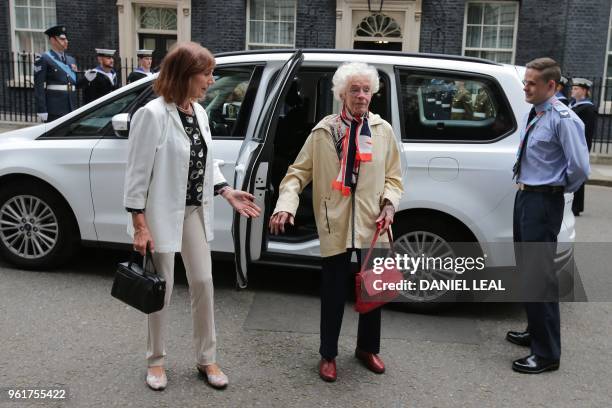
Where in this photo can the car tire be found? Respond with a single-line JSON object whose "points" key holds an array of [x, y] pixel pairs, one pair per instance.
{"points": [[437, 234], [37, 229]]}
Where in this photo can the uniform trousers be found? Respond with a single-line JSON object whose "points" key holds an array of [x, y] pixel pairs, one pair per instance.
{"points": [[335, 276], [195, 252], [537, 221]]}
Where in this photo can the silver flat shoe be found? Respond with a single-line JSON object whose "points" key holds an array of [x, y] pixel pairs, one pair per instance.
{"points": [[156, 383], [218, 381]]}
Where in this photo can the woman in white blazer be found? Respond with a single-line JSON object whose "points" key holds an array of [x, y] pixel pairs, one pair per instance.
{"points": [[169, 186]]}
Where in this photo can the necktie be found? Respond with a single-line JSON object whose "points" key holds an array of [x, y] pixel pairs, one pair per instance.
{"points": [[517, 166]]}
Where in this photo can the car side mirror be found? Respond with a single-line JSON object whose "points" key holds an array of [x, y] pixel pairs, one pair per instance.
{"points": [[230, 110], [121, 125]]}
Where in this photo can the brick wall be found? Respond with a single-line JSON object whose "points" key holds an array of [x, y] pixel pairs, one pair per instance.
{"points": [[442, 26], [219, 25], [316, 24]]}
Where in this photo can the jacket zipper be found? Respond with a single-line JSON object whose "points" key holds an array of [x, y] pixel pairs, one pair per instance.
{"points": [[326, 217]]}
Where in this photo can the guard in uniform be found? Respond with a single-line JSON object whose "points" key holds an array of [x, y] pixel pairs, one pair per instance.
{"points": [[585, 109], [483, 107], [461, 108], [100, 80], [552, 159], [561, 90], [145, 60], [55, 78]]}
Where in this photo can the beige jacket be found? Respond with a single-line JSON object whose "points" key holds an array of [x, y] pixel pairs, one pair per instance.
{"points": [[338, 226]]}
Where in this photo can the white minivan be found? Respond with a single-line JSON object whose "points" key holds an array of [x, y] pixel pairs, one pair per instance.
{"points": [[61, 183]]}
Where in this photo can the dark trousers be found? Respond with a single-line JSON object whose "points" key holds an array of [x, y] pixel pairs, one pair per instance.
{"points": [[337, 270], [578, 203], [52, 117], [537, 220]]}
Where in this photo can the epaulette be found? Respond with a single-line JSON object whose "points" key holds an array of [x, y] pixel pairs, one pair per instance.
{"points": [[562, 109]]}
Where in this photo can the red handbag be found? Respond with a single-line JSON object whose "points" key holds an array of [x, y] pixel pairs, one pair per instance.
{"points": [[367, 296]]}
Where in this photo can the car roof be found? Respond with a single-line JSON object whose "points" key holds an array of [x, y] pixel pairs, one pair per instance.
{"points": [[440, 61]]}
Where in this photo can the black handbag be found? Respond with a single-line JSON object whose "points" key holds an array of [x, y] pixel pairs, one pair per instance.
{"points": [[139, 287]]}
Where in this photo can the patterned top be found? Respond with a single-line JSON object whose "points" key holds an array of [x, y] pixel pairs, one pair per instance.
{"points": [[197, 160]]}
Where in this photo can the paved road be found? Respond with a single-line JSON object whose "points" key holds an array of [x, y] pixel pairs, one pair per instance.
{"points": [[62, 328]]}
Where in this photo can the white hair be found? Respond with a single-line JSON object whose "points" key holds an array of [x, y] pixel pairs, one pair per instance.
{"points": [[349, 70]]}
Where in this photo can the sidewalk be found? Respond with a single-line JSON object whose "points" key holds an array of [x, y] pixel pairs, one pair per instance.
{"points": [[601, 164]]}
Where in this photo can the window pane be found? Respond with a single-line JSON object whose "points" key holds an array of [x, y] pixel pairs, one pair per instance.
{"points": [[473, 54], [21, 2], [50, 3], [507, 14], [223, 101], [271, 33], [40, 42], [489, 37], [287, 10], [24, 41], [21, 17], [491, 13], [272, 10], [256, 32], [610, 42], [257, 9], [36, 18], [474, 14], [504, 57], [473, 36], [505, 37], [35, 3], [286, 33], [168, 19], [471, 109], [149, 43], [149, 17], [50, 20]]}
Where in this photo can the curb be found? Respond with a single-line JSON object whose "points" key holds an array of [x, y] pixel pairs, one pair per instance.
{"points": [[599, 182]]}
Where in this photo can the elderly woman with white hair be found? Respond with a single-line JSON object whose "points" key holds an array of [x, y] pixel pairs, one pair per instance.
{"points": [[353, 162]]}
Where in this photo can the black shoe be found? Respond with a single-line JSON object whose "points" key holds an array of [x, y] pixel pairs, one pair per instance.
{"points": [[519, 338], [533, 364]]}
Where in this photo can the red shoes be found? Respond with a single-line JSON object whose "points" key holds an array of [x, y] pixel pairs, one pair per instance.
{"points": [[371, 361], [327, 370]]}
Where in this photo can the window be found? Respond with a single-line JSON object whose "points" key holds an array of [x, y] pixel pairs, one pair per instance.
{"points": [[229, 100], [452, 107], [490, 30], [96, 122], [271, 24], [30, 19]]}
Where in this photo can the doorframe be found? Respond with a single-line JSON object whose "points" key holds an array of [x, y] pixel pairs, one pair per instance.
{"points": [[128, 28], [410, 25]]}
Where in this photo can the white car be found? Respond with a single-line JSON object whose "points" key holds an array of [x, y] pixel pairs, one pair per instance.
{"points": [[61, 183]]}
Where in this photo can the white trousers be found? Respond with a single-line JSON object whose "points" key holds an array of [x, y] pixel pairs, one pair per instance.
{"points": [[196, 258]]}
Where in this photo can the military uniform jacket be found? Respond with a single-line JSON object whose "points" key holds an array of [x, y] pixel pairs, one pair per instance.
{"points": [[136, 75], [587, 112], [47, 72], [96, 83]]}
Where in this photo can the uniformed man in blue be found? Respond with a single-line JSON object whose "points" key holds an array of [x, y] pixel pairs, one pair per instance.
{"points": [[102, 79], [55, 78], [552, 159], [561, 90], [583, 106], [145, 60]]}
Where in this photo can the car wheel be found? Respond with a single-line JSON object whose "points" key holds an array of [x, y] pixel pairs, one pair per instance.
{"points": [[37, 229], [436, 238]]}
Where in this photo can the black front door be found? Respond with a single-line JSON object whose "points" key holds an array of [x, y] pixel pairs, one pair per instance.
{"points": [[372, 45], [159, 43]]}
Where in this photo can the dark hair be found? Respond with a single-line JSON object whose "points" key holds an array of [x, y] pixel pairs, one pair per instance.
{"points": [[548, 67], [184, 60]]}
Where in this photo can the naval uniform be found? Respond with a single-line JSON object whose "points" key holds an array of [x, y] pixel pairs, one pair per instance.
{"points": [[587, 112], [55, 84], [137, 74], [552, 159], [96, 83]]}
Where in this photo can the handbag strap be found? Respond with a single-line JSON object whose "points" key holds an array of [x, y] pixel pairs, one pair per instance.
{"points": [[149, 256], [374, 239]]}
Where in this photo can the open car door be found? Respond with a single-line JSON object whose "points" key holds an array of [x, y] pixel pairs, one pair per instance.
{"points": [[251, 173]]}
